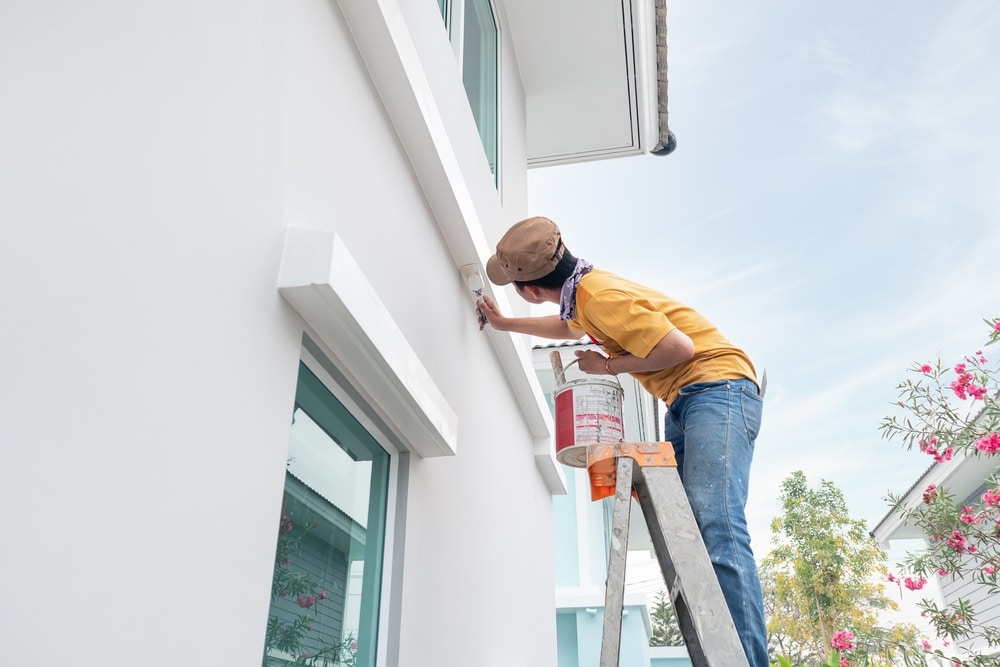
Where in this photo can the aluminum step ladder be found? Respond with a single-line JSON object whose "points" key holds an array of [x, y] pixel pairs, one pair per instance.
{"points": [[648, 471]]}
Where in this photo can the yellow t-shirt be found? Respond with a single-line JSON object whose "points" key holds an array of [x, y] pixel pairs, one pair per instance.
{"points": [[629, 318]]}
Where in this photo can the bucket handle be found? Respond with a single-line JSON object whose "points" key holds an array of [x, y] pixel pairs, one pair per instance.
{"points": [[557, 366]]}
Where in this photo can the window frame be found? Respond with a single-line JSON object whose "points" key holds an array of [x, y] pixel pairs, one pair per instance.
{"points": [[453, 13], [387, 624]]}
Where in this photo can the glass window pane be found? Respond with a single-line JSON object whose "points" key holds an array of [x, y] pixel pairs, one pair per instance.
{"points": [[328, 564], [443, 6], [479, 72]]}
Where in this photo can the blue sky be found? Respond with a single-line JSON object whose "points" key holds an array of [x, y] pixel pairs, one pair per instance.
{"points": [[833, 206]]}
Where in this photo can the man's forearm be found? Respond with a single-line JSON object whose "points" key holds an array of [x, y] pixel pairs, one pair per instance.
{"points": [[548, 326], [673, 349]]}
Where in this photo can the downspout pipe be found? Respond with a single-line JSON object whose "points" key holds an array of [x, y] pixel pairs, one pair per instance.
{"points": [[667, 141]]}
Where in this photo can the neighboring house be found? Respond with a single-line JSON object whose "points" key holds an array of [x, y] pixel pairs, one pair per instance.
{"points": [[582, 531], [235, 240], [965, 477]]}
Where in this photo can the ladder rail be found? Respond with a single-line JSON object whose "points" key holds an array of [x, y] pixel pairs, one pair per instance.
{"points": [[614, 596], [702, 613]]}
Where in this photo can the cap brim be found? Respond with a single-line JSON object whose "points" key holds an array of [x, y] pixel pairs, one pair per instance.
{"points": [[496, 273]]}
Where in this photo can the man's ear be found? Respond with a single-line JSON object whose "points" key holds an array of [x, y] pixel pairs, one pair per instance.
{"points": [[530, 291]]}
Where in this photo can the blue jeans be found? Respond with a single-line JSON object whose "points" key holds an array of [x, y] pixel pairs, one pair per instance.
{"points": [[712, 426]]}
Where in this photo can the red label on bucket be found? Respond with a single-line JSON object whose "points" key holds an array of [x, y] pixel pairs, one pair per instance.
{"points": [[564, 420]]}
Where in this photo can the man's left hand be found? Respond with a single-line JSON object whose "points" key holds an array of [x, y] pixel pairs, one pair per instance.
{"points": [[592, 362]]}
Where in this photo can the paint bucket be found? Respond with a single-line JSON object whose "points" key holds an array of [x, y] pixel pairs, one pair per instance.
{"points": [[588, 412]]}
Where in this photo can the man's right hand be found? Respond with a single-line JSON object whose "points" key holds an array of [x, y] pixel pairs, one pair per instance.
{"points": [[488, 307], [545, 326]]}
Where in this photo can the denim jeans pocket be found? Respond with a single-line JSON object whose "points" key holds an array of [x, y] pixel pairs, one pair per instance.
{"points": [[751, 405]]}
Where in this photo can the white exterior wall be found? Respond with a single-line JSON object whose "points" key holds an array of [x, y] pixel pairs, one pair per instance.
{"points": [[152, 157], [987, 607]]}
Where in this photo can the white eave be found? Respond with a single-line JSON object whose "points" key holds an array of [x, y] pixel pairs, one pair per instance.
{"points": [[961, 476], [594, 77]]}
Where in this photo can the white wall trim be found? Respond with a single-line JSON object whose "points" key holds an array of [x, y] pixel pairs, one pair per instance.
{"points": [[326, 286], [393, 61]]}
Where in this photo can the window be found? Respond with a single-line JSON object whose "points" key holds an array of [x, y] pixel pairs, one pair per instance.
{"points": [[473, 28], [331, 534]]}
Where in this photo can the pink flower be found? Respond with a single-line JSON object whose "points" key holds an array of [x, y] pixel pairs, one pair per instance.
{"points": [[964, 385], [940, 457], [996, 326], [926, 644], [842, 640], [892, 578], [354, 646], [959, 388], [988, 444], [942, 572], [930, 494], [968, 515], [914, 585], [992, 497], [959, 544], [926, 368], [989, 569], [844, 662], [322, 595]]}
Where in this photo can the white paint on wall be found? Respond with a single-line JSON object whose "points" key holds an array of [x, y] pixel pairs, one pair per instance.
{"points": [[153, 157]]}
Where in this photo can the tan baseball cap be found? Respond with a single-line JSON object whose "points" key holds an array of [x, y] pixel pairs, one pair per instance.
{"points": [[529, 250]]}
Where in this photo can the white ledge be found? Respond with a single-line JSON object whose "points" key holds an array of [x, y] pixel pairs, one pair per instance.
{"points": [[321, 280]]}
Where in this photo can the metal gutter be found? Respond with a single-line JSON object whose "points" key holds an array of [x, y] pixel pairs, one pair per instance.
{"points": [[667, 141]]}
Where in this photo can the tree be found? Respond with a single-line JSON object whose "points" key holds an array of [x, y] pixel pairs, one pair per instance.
{"points": [[821, 575], [666, 632]]}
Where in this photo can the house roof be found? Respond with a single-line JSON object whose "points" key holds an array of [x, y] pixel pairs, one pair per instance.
{"points": [[594, 76], [962, 475]]}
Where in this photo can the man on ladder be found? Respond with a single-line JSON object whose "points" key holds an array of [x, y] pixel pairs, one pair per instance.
{"points": [[708, 384]]}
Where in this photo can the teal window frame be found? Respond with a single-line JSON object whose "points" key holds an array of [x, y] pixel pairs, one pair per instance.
{"points": [[475, 34], [339, 541]]}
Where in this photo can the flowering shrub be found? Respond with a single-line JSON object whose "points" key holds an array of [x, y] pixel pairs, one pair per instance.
{"points": [[952, 410], [285, 638]]}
